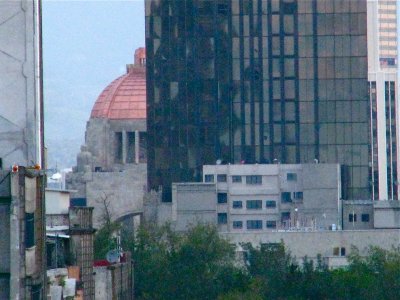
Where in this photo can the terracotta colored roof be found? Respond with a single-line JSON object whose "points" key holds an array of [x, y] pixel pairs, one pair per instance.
{"points": [[124, 98]]}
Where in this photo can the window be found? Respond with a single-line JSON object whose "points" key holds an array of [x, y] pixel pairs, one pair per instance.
{"points": [[118, 147], [352, 217], [341, 249], [285, 216], [254, 224], [236, 179], [254, 179], [286, 197], [271, 224], [291, 177], [254, 204], [298, 195], [237, 224], [208, 178], [29, 230], [130, 155], [222, 218], [365, 217], [270, 204], [237, 204], [336, 251], [221, 178], [222, 198]]}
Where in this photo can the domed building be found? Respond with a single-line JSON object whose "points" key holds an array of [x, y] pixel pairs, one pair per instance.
{"points": [[111, 168]]}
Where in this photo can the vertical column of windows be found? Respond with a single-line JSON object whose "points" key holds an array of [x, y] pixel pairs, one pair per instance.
{"points": [[373, 149], [284, 109], [391, 138]]}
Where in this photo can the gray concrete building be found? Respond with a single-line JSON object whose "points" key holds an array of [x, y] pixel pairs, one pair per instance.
{"points": [[22, 225], [387, 214], [22, 231], [111, 168], [259, 197], [299, 205], [21, 108]]}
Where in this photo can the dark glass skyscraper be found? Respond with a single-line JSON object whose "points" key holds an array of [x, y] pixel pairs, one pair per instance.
{"points": [[256, 81]]}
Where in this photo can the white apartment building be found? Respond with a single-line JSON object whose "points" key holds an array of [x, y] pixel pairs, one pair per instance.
{"points": [[259, 197], [383, 96]]}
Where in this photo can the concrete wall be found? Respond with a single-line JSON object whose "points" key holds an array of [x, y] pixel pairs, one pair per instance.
{"points": [[20, 92], [387, 214], [353, 211], [193, 203], [124, 190], [311, 244], [57, 202], [103, 283], [114, 281]]}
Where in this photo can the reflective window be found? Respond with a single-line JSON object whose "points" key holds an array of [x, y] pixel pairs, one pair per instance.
{"points": [[208, 178], [237, 204], [222, 218], [254, 224], [254, 204], [237, 224]]}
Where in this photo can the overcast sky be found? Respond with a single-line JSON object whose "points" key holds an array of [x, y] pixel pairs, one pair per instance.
{"points": [[86, 45]]}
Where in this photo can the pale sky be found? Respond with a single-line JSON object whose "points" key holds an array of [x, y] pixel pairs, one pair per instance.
{"points": [[86, 45]]}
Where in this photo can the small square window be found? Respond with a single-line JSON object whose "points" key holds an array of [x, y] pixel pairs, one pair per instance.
{"points": [[237, 224], [285, 216], [208, 178], [336, 251], [270, 204], [254, 204], [352, 218], [254, 179], [236, 179], [365, 217], [298, 195], [286, 197], [222, 198], [222, 218], [254, 224], [237, 204], [221, 178], [343, 251], [271, 224], [291, 177]]}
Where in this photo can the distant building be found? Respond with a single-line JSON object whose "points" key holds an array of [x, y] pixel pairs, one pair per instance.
{"points": [[383, 77], [299, 205], [257, 81], [259, 197], [111, 167]]}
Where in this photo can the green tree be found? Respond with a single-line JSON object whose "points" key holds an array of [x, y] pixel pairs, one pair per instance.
{"points": [[197, 264]]}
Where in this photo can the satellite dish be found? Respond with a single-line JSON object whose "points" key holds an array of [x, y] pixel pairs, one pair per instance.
{"points": [[219, 161], [112, 256]]}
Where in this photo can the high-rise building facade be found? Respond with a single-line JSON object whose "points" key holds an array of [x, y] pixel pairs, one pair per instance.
{"points": [[383, 96], [21, 102], [257, 81]]}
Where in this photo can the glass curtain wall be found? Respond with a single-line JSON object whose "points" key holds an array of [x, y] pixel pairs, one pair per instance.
{"points": [[246, 81]]}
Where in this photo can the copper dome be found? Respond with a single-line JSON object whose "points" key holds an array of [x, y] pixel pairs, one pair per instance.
{"points": [[125, 97]]}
